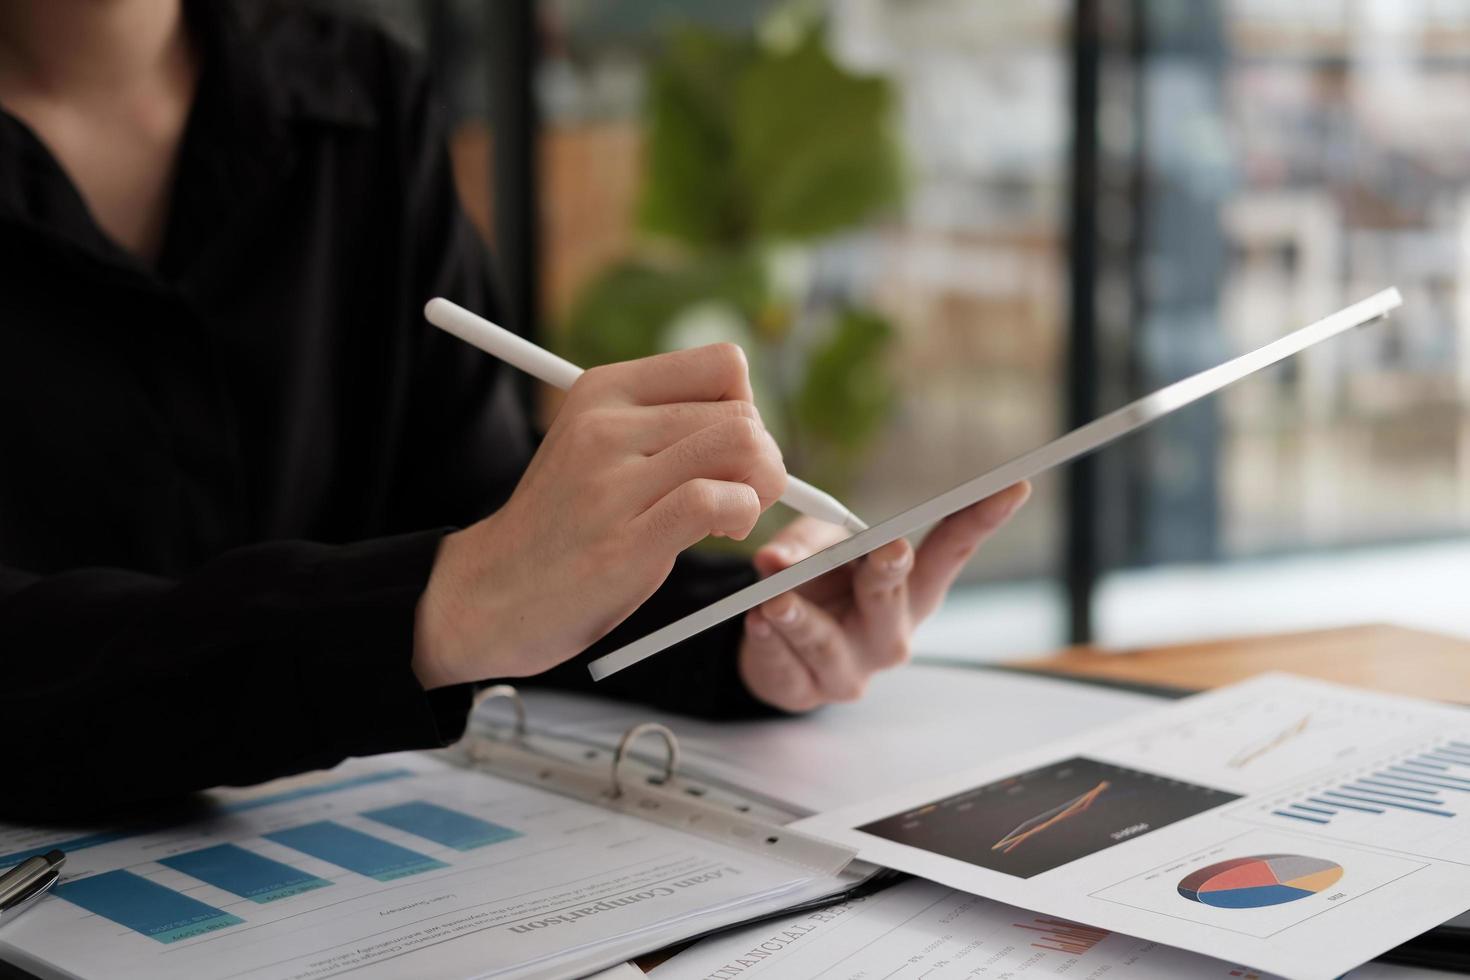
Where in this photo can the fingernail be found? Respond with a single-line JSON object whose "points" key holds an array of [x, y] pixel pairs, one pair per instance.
{"points": [[900, 565], [759, 627], [787, 615], [781, 551], [1021, 498]]}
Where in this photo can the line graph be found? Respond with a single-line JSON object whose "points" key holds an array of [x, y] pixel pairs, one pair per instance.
{"points": [[1042, 821], [1250, 754], [1042, 818]]}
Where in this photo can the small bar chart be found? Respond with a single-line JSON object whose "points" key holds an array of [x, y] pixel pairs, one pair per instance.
{"points": [[131, 898], [441, 825], [1061, 936], [157, 912], [1433, 784], [244, 873], [354, 850]]}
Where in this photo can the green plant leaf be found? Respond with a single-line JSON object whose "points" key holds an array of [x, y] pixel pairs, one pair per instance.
{"points": [[847, 393], [814, 149], [690, 189], [626, 311]]}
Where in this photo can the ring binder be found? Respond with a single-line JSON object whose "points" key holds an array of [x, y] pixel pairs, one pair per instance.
{"points": [[562, 765], [509, 693], [671, 741]]}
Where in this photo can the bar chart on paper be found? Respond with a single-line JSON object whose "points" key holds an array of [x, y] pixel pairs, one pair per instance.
{"points": [[1416, 800], [1435, 782], [247, 874], [402, 866], [167, 913], [1351, 768], [148, 909], [193, 891]]}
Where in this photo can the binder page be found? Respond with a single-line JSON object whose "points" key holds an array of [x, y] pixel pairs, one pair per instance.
{"points": [[1292, 825], [917, 721], [402, 866], [920, 929]]}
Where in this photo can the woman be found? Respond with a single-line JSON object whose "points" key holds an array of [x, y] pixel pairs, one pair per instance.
{"points": [[234, 455]]}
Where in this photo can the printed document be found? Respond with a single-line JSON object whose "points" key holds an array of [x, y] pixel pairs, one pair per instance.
{"points": [[1291, 825], [922, 930], [402, 866]]}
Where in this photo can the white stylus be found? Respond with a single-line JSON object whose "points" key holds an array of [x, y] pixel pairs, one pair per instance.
{"points": [[561, 373]]}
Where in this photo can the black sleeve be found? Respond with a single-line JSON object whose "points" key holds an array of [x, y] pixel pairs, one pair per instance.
{"points": [[118, 688]]}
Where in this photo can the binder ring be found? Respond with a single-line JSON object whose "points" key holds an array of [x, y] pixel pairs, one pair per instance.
{"points": [[671, 762], [504, 691]]}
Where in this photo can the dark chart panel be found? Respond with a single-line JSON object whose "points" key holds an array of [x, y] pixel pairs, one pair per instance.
{"points": [[1035, 821]]}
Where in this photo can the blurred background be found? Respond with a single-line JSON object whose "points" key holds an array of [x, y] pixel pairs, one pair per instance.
{"points": [[949, 230]]}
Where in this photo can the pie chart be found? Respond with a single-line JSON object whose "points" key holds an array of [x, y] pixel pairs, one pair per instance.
{"points": [[1258, 881]]}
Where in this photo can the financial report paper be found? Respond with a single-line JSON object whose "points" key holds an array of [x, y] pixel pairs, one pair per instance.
{"points": [[922, 930], [402, 866], [1295, 826]]}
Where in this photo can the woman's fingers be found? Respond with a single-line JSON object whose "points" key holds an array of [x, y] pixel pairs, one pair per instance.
{"points": [[717, 372], [951, 544], [657, 427], [693, 511], [820, 644], [770, 666], [880, 588], [737, 450]]}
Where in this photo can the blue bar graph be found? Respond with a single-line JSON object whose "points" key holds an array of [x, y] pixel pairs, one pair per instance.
{"points": [[144, 906], [1417, 784], [1429, 778], [1313, 809], [244, 873], [355, 851], [1396, 786], [1421, 764], [442, 825], [1344, 806], [1368, 786], [1392, 803]]}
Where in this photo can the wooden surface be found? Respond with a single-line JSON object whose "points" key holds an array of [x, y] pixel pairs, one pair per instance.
{"points": [[1383, 658]]}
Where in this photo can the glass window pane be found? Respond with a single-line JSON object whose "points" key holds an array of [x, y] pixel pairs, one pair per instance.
{"points": [[1293, 158]]}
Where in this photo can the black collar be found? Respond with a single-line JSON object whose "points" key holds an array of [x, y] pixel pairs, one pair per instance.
{"points": [[268, 68]]}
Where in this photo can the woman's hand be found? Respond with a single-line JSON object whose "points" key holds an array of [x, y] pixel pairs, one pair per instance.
{"points": [[644, 459], [824, 640]]}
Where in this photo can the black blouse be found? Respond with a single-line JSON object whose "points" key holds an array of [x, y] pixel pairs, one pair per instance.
{"points": [[223, 480]]}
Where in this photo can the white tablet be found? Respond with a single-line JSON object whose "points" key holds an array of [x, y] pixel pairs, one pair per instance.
{"points": [[1078, 442]]}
